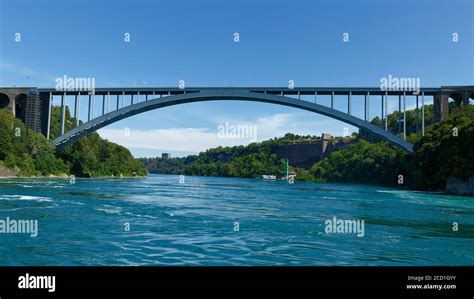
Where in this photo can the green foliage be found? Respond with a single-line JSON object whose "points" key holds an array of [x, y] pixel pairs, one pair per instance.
{"points": [[92, 156], [55, 129], [249, 161], [304, 175], [440, 154], [26, 151], [410, 119], [362, 162], [31, 154], [393, 123]]}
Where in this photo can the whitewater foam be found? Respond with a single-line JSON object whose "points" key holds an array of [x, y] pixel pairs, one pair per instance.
{"points": [[26, 197]]}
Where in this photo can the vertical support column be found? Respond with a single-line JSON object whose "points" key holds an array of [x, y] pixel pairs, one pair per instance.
{"points": [[332, 100], [299, 95], [365, 107], [63, 112], [108, 101], [444, 107], [441, 106], [315, 96], [368, 106], [386, 111], [90, 109], [93, 105], [48, 129], [123, 99], [404, 116], [153, 94], [349, 99], [138, 97], [118, 101], [416, 117], [382, 108], [423, 113], [103, 104], [131, 100], [399, 114], [436, 107], [76, 108], [146, 97]]}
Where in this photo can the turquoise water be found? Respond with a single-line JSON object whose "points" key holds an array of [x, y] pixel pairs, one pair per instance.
{"points": [[195, 223]]}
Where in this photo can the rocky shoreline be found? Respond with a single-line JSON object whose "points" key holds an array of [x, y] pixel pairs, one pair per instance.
{"points": [[459, 187], [6, 172]]}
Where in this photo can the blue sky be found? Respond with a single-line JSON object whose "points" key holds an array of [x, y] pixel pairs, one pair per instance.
{"points": [[194, 41]]}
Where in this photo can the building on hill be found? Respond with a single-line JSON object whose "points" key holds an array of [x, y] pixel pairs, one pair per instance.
{"points": [[305, 154]]}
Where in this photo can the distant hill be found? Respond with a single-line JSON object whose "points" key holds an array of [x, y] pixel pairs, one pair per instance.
{"points": [[253, 160]]}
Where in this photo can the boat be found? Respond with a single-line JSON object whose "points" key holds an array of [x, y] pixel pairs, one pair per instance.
{"points": [[268, 177], [288, 177]]}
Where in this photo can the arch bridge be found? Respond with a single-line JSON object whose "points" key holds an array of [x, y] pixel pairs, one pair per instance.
{"points": [[119, 103]]}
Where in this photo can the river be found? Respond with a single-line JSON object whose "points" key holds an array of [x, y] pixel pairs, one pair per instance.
{"points": [[159, 220]]}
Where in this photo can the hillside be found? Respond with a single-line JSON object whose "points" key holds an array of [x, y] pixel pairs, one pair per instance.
{"points": [[27, 153], [249, 161], [444, 153]]}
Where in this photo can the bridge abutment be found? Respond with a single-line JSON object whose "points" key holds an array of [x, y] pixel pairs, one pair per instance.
{"points": [[441, 107], [460, 95], [26, 104]]}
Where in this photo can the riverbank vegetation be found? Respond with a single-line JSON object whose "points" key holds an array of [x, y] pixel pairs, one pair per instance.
{"points": [[249, 161], [28, 153], [443, 153]]}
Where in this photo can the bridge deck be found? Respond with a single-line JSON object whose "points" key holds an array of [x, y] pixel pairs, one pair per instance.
{"points": [[269, 90]]}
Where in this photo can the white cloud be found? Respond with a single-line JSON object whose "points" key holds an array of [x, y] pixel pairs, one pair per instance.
{"points": [[195, 139], [200, 139], [173, 139]]}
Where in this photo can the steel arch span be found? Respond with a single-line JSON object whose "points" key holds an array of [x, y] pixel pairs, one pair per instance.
{"points": [[225, 94]]}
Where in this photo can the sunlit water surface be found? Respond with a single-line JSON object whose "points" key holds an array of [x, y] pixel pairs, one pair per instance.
{"points": [[195, 223]]}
